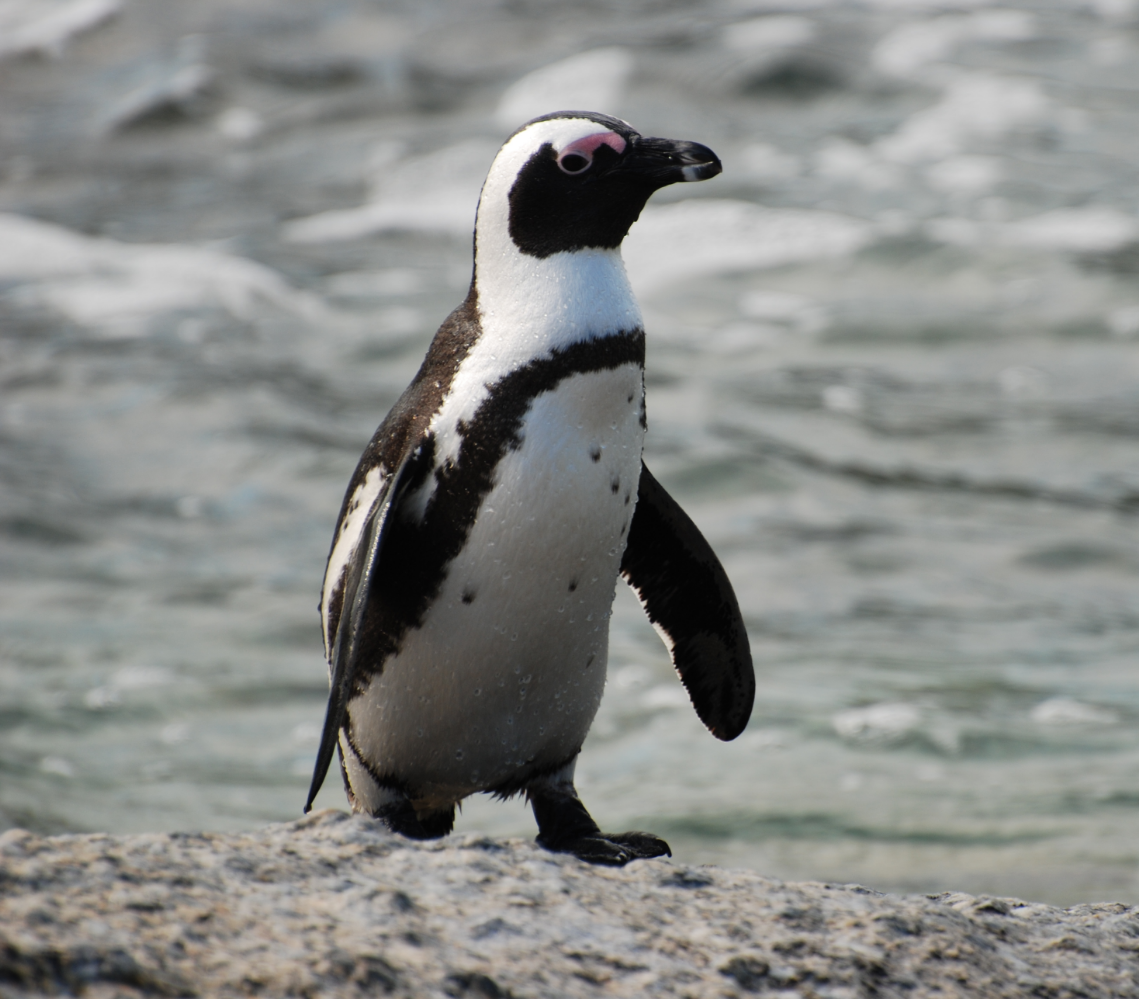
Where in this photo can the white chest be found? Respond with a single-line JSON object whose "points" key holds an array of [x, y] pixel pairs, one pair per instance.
{"points": [[507, 670]]}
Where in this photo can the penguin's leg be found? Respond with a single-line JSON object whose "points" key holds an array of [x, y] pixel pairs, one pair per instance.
{"points": [[564, 826]]}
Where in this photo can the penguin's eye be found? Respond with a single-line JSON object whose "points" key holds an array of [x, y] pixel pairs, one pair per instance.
{"points": [[574, 163], [577, 157]]}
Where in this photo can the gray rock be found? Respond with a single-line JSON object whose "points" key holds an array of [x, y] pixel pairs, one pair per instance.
{"points": [[333, 905]]}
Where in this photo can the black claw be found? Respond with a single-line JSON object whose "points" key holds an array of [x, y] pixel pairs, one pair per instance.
{"points": [[643, 845]]}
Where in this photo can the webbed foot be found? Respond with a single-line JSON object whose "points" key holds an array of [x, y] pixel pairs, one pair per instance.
{"points": [[564, 826], [615, 850]]}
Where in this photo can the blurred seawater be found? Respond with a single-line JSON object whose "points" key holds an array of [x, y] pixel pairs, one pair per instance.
{"points": [[893, 374]]}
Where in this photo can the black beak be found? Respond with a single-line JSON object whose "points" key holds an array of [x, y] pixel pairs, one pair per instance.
{"points": [[670, 161]]}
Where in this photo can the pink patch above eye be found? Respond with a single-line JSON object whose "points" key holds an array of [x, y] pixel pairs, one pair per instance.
{"points": [[587, 146]]}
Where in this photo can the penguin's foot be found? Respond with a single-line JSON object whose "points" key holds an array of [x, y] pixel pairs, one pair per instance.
{"points": [[564, 826], [615, 850], [400, 817]]}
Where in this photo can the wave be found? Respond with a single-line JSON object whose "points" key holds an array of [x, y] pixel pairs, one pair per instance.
{"points": [[1122, 498]]}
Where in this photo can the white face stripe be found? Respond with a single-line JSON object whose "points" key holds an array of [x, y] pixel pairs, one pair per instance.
{"points": [[530, 306], [512, 157], [492, 219], [584, 293], [492, 235], [558, 132]]}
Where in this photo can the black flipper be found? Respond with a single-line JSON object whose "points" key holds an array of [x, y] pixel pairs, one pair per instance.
{"points": [[345, 646], [564, 826], [688, 596]]}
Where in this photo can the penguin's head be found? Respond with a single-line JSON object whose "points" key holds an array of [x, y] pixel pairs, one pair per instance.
{"points": [[577, 180]]}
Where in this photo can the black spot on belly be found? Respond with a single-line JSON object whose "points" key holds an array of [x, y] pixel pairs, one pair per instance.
{"points": [[614, 486], [468, 596], [589, 661], [595, 453], [627, 495], [630, 399], [572, 585], [623, 530]]}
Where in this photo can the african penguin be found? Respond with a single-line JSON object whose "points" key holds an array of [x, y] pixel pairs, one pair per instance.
{"points": [[468, 591]]}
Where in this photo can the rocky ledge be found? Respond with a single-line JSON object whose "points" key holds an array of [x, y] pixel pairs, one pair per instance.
{"points": [[335, 906]]}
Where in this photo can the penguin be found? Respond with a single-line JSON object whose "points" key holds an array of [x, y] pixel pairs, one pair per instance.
{"points": [[473, 569]]}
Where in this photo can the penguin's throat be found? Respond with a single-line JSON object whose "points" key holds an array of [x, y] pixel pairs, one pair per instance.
{"points": [[535, 305]]}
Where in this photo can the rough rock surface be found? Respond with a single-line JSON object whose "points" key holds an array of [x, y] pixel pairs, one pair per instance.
{"points": [[335, 906]]}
